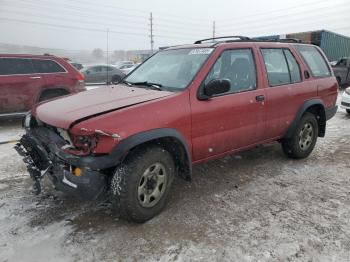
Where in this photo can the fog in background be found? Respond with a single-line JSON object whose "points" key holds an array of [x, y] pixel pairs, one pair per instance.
{"points": [[78, 28]]}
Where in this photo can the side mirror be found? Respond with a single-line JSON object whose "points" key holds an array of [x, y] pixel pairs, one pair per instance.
{"points": [[216, 87]]}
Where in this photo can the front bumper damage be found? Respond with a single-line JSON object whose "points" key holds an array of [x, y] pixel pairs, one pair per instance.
{"points": [[43, 153]]}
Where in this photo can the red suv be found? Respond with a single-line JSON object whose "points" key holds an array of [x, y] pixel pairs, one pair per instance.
{"points": [[185, 105], [28, 79]]}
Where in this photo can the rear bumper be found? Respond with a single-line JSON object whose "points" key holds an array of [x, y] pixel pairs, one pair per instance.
{"points": [[330, 112], [41, 149], [345, 101]]}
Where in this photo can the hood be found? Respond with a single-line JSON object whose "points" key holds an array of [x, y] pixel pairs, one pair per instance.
{"points": [[62, 112]]}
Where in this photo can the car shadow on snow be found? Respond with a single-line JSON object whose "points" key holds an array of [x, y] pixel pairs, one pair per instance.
{"points": [[229, 173]]}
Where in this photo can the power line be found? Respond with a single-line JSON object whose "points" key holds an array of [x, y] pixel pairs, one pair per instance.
{"points": [[293, 21], [68, 27], [73, 20], [135, 10], [277, 10], [285, 16]]}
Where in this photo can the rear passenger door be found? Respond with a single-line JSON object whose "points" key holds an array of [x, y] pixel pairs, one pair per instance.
{"points": [[232, 120], [18, 84], [52, 73], [285, 89]]}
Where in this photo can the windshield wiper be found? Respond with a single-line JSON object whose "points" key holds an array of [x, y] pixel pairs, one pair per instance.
{"points": [[126, 82], [148, 84]]}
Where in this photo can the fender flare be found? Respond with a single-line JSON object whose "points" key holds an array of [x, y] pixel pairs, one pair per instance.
{"points": [[51, 89], [133, 141], [307, 104]]}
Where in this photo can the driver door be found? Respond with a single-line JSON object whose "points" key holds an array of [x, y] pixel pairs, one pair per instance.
{"points": [[235, 119]]}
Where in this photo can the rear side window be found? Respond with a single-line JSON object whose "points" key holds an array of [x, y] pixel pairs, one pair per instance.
{"points": [[276, 66], [15, 66], [47, 66], [314, 60]]}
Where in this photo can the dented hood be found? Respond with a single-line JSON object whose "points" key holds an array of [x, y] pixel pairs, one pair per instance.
{"points": [[62, 112]]}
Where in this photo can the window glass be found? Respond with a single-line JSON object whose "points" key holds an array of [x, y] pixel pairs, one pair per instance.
{"points": [[13, 66], [174, 69], [276, 66], [238, 66], [46, 66], [294, 68], [95, 69], [314, 60]]}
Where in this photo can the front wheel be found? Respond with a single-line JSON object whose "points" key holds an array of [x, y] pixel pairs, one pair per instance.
{"points": [[304, 138], [348, 111], [140, 186]]}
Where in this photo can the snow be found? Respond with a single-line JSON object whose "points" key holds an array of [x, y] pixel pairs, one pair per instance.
{"points": [[258, 206]]}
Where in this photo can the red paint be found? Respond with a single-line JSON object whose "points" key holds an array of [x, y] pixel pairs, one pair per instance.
{"points": [[211, 128], [19, 93]]}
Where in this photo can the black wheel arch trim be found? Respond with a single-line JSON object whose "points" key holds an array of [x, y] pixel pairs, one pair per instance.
{"points": [[308, 104], [121, 149]]}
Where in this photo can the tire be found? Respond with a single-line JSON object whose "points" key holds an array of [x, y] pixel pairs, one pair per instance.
{"points": [[47, 95], [134, 191], [304, 138], [348, 111], [116, 79]]}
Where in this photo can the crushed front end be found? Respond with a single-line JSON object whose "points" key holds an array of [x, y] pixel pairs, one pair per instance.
{"points": [[46, 151]]}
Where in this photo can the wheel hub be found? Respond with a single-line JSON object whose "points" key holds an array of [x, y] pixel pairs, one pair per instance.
{"points": [[306, 136], [152, 185]]}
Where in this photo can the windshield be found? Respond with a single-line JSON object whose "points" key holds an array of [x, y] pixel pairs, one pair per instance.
{"points": [[171, 69]]}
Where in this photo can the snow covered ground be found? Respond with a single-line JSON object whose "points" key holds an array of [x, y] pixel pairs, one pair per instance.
{"points": [[255, 206]]}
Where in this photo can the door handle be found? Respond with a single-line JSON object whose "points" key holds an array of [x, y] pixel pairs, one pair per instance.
{"points": [[35, 77], [260, 98]]}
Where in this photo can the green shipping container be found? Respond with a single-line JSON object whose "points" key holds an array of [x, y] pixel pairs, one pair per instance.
{"points": [[335, 46]]}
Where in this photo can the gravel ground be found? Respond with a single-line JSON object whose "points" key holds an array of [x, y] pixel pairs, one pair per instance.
{"points": [[255, 206]]}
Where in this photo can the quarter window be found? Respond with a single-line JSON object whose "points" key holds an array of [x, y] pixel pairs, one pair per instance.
{"points": [[314, 60], [15, 66], [47, 66], [293, 66], [238, 66]]}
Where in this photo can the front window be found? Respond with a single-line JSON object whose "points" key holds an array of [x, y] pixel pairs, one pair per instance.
{"points": [[171, 69]]}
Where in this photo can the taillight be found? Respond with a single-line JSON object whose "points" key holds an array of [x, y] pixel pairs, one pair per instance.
{"points": [[80, 82], [80, 77]]}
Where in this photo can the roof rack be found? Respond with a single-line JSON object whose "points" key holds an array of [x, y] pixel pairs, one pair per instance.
{"points": [[241, 38], [284, 40]]}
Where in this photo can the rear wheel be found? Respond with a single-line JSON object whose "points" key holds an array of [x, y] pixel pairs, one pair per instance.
{"points": [[140, 186], [116, 79], [304, 138]]}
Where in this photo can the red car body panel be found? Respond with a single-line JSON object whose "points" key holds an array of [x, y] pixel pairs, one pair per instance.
{"points": [[212, 127], [93, 102], [20, 92]]}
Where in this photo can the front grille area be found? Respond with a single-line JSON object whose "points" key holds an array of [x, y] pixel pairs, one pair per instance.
{"points": [[345, 104]]}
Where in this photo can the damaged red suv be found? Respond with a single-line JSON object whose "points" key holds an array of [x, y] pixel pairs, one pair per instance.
{"points": [[29, 79], [185, 105]]}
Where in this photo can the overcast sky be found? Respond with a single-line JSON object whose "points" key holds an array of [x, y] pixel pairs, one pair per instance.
{"points": [[82, 24]]}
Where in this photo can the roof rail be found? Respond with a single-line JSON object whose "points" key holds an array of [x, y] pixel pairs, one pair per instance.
{"points": [[282, 40], [222, 37]]}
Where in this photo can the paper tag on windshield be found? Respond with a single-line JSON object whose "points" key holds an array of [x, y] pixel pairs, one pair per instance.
{"points": [[201, 51]]}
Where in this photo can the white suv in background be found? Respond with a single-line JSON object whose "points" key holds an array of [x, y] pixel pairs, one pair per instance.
{"points": [[345, 100]]}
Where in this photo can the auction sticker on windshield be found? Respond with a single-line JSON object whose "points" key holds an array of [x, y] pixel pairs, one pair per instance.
{"points": [[201, 51]]}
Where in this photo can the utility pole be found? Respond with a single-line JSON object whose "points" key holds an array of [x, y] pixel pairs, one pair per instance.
{"points": [[107, 56], [151, 35], [213, 29]]}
